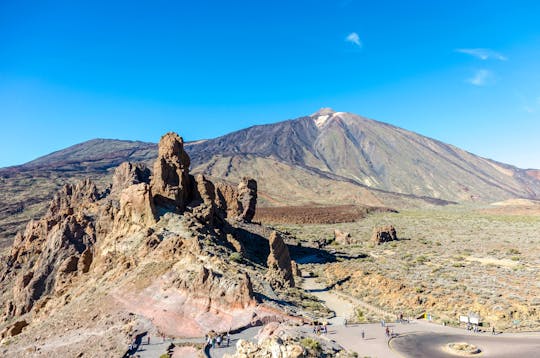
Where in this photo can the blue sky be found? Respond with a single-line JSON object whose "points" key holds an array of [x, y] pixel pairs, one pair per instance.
{"points": [[464, 72]]}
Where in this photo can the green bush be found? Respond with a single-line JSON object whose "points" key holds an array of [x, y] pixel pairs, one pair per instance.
{"points": [[310, 344], [236, 257]]}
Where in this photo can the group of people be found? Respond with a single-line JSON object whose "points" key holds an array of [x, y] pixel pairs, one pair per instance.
{"points": [[320, 328], [218, 339]]}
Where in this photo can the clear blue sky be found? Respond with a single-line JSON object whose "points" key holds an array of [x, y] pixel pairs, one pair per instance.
{"points": [[464, 72]]}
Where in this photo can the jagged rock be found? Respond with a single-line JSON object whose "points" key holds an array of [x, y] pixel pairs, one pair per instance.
{"points": [[279, 263], [170, 183], [237, 203], [49, 248], [247, 197], [342, 237], [384, 234], [127, 174]]}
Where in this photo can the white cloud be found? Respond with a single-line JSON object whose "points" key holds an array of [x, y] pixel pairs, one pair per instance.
{"points": [[481, 78], [483, 53], [354, 39]]}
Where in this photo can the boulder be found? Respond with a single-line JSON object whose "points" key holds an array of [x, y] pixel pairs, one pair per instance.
{"points": [[342, 237], [384, 234]]}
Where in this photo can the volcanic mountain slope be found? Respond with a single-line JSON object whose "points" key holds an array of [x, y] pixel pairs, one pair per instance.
{"points": [[151, 253], [344, 147], [328, 158]]}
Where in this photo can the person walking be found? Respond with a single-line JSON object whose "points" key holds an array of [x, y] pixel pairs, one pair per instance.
{"points": [[493, 330], [363, 334], [387, 331], [228, 339]]}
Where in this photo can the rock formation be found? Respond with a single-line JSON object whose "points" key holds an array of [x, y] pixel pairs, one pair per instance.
{"points": [[280, 273], [45, 257], [170, 227], [247, 197], [342, 237], [170, 182], [384, 234]]}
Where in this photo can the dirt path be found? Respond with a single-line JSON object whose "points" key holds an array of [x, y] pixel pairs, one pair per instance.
{"points": [[342, 304]]}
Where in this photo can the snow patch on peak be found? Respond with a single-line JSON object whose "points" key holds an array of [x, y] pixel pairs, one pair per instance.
{"points": [[320, 121]]}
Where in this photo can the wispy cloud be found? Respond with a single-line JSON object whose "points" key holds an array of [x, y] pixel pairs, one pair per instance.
{"points": [[354, 39], [481, 78], [483, 53]]}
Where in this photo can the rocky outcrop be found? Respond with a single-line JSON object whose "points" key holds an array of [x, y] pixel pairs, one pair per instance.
{"points": [[46, 255], [342, 237], [247, 197], [280, 273], [237, 203], [170, 183], [384, 234], [90, 237]]}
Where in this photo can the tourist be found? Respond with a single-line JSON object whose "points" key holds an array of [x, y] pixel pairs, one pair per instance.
{"points": [[218, 340], [387, 332], [363, 334], [382, 322], [493, 330], [228, 339]]}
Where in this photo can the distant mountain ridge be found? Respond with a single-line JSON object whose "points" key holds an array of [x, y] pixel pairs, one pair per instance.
{"points": [[327, 158]]}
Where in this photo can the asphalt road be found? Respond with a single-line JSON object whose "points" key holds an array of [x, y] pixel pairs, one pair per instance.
{"points": [[430, 345]]}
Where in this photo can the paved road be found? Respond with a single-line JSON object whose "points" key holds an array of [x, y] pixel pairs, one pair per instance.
{"points": [[158, 347], [429, 345]]}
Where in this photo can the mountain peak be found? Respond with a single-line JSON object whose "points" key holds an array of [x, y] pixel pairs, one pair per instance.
{"points": [[322, 116], [325, 111]]}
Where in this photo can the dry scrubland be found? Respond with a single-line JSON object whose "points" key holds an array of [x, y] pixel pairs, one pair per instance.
{"points": [[449, 261]]}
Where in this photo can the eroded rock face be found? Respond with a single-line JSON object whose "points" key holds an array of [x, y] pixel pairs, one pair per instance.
{"points": [[170, 183], [46, 255], [384, 234], [280, 273]]}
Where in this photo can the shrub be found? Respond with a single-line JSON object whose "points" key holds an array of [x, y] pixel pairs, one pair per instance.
{"points": [[310, 344], [236, 257]]}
